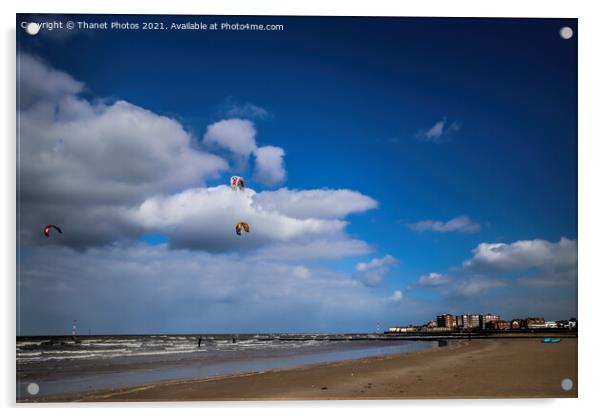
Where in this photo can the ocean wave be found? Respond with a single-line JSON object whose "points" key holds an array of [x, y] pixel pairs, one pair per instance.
{"points": [[155, 345]]}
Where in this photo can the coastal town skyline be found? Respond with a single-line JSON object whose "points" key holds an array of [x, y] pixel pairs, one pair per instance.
{"points": [[485, 321]]}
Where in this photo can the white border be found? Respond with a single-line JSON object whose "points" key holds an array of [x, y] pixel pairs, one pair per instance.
{"points": [[590, 207]]}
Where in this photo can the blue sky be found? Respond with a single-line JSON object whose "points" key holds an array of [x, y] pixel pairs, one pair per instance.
{"points": [[453, 134]]}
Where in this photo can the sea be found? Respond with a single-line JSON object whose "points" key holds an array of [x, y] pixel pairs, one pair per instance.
{"points": [[51, 366]]}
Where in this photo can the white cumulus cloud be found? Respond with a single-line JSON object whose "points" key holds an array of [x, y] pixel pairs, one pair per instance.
{"points": [[204, 218], [269, 165], [372, 273], [434, 279], [535, 263], [397, 296], [37, 81], [541, 263], [322, 203], [522, 255], [462, 224], [232, 109], [81, 162], [460, 287], [476, 285], [236, 135]]}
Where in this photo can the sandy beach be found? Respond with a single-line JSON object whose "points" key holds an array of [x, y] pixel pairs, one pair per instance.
{"points": [[500, 368]]}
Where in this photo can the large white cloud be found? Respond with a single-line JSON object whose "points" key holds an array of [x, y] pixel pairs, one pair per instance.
{"points": [[82, 162], [528, 263], [154, 290], [540, 263], [118, 152], [321, 203], [204, 218], [522, 255]]}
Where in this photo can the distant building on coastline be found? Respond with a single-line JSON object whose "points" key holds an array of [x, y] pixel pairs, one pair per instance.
{"points": [[570, 324], [536, 323], [499, 325], [445, 321], [437, 329], [488, 321], [487, 318], [468, 321], [518, 324], [403, 329]]}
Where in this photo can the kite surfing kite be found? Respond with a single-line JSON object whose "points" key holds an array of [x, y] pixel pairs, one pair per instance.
{"points": [[240, 226], [237, 183], [48, 227]]}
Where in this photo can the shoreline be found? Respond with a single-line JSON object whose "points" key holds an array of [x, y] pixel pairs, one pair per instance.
{"points": [[482, 368], [139, 368]]}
